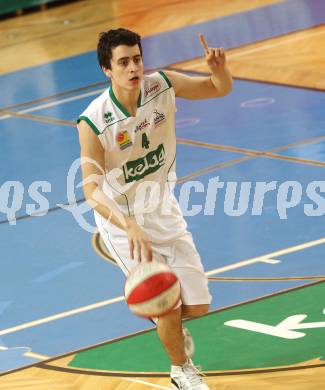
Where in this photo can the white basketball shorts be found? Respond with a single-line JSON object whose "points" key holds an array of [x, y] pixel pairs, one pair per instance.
{"points": [[180, 254]]}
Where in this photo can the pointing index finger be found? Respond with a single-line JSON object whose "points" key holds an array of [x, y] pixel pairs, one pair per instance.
{"points": [[204, 42]]}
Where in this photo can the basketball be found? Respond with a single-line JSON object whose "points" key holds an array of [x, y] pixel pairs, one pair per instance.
{"points": [[152, 290]]}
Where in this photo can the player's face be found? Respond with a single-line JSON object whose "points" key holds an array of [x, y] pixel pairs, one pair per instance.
{"points": [[127, 67]]}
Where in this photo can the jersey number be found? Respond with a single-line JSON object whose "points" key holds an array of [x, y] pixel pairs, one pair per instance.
{"points": [[145, 141]]}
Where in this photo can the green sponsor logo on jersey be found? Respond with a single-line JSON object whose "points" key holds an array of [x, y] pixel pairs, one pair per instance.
{"points": [[138, 169], [108, 117]]}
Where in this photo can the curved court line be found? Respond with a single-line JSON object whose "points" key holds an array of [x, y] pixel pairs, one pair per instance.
{"points": [[90, 372], [99, 247], [241, 372], [93, 306], [46, 364]]}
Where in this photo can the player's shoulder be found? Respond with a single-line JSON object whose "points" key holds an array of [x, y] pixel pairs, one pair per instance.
{"points": [[100, 103], [154, 84], [102, 107], [156, 81], [100, 113]]}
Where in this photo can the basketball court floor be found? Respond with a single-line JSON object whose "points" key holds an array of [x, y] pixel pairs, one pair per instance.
{"points": [[63, 319]]}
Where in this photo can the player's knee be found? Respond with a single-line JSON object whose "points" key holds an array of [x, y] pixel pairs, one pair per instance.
{"points": [[201, 310], [195, 310]]}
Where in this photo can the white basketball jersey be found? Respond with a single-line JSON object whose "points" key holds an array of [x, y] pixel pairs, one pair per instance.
{"points": [[140, 154]]}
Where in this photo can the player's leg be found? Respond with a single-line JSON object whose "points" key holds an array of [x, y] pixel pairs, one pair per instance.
{"points": [[179, 331], [181, 344], [192, 311], [169, 329], [184, 375], [186, 263]]}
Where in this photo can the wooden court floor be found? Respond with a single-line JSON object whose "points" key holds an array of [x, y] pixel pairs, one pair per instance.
{"points": [[72, 29], [47, 379]]}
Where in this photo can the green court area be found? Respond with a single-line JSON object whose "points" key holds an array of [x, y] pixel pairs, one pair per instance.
{"points": [[281, 330]]}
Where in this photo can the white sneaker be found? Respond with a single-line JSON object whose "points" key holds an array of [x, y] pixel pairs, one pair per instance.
{"points": [[188, 343], [187, 377]]}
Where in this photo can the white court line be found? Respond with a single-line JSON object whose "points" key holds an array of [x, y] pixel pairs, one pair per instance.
{"points": [[36, 356], [263, 258], [28, 353], [61, 315], [55, 103], [271, 261], [146, 383], [256, 49]]}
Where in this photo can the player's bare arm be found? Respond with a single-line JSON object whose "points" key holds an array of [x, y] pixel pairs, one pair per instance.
{"points": [[92, 166], [93, 162], [218, 84]]}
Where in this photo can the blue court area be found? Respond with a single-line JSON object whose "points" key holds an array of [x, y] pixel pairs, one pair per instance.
{"points": [[49, 266], [315, 151], [178, 45]]}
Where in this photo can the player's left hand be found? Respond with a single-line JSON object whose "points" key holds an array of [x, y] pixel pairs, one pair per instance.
{"points": [[215, 57]]}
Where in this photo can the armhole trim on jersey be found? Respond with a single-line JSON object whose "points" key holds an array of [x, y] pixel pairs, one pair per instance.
{"points": [[90, 123], [166, 78]]}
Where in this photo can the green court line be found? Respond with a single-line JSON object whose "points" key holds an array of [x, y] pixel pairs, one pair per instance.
{"points": [[223, 348]]}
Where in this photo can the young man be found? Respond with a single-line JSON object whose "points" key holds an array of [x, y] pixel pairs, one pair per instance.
{"points": [[128, 145]]}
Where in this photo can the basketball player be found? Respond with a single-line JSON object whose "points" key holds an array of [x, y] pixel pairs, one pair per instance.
{"points": [[128, 145]]}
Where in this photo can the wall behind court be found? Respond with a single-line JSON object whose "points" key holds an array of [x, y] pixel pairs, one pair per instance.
{"points": [[8, 7]]}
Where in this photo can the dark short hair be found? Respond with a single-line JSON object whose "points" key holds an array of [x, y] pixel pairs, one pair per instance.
{"points": [[110, 39]]}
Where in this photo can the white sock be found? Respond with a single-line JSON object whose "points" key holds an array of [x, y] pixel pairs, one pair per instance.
{"points": [[177, 368]]}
